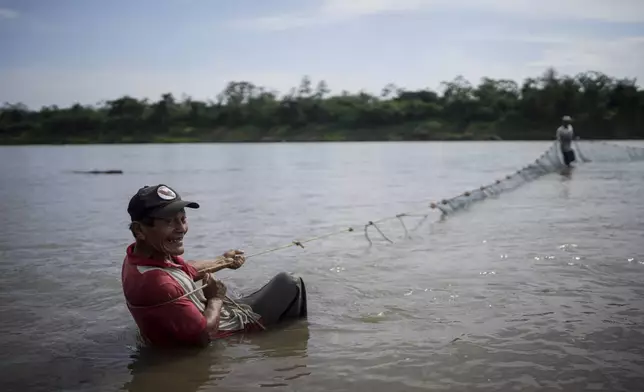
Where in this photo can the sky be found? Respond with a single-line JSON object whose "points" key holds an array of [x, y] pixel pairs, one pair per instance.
{"points": [[61, 52]]}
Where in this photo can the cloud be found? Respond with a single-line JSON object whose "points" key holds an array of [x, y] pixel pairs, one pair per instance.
{"points": [[497, 51], [621, 57], [6, 13], [333, 11], [617, 11], [330, 11], [572, 53], [37, 86]]}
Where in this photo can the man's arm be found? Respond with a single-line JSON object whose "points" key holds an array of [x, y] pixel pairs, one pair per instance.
{"points": [[215, 291], [184, 322], [213, 315], [232, 259], [192, 327], [195, 328], [215, 265]]}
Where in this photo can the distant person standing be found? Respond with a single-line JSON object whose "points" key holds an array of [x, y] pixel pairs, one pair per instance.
{"points": [[565, 136]]}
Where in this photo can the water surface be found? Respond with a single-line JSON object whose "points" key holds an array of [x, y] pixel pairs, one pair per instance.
{"points": [[539, 289]]}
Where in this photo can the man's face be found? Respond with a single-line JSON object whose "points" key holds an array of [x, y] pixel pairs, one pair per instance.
{"points": [[166, 234]]}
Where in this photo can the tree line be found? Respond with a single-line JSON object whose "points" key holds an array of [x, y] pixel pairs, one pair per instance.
{"points": [[602, 108]]}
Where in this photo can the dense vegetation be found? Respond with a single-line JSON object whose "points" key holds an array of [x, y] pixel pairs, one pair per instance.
{"points": [[602, 107]]}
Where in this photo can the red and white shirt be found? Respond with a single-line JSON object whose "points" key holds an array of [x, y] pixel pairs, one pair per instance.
{"points": [[176, 323]]}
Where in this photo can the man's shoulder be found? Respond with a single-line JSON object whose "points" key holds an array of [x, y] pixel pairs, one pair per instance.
{"points": [[146, 278], [146, 274], [142, 282]]}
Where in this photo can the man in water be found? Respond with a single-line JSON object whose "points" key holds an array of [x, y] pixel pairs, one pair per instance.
{"points": [[167, 305], [565, 136]]}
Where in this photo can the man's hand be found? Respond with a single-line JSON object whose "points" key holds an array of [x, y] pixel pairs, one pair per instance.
{"points": [[213, 288], [234, 258]]}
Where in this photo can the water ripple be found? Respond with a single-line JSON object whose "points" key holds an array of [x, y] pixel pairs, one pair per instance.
{"points": [[530, 291]]}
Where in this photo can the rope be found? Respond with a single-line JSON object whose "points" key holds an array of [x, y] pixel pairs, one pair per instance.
{"points": [[547, 163], [420, 223], [226, 299], [402, 222], [446, 206], [246, 313], [299, 243]]}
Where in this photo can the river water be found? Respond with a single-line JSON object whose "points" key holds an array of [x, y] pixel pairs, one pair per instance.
{"points": [[539, 289]]}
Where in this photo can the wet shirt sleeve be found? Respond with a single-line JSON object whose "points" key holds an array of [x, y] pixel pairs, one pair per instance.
{"points": [[179, 322], [181, 319]]}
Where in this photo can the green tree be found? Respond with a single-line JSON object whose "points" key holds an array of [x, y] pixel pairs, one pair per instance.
{"points": [[602, 106]]}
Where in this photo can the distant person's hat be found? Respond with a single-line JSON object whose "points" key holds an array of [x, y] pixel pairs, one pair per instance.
{"points": [[159, 201], [566, 118]]}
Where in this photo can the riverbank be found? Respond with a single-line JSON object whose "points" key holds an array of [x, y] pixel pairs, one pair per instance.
{"points": [[295, 139], [602, 108], [406, 132]]}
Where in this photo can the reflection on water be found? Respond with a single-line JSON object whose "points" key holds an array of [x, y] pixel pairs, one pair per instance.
{"points": [[566, 177], [178, 370], [192, 369], [566, 173]]}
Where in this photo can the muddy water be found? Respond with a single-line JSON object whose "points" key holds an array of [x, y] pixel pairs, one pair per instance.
{"points": [[540, 289]]}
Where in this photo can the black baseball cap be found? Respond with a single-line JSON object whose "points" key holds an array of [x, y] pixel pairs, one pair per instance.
{"points": [[159, 201]]}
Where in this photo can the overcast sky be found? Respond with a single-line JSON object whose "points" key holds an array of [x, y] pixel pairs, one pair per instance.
{"points": [[66, 51]]}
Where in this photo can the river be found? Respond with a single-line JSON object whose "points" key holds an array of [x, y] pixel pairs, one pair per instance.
{"points": [[539, 289]]}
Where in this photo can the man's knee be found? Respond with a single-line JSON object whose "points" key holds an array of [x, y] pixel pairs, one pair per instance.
{"points": [[285, 278]]}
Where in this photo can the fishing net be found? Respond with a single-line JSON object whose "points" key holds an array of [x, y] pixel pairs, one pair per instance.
{"points": [[597, 151], [549, 162]]}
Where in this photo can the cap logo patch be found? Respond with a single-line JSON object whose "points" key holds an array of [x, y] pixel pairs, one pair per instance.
{"points": [[166, 193]]}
